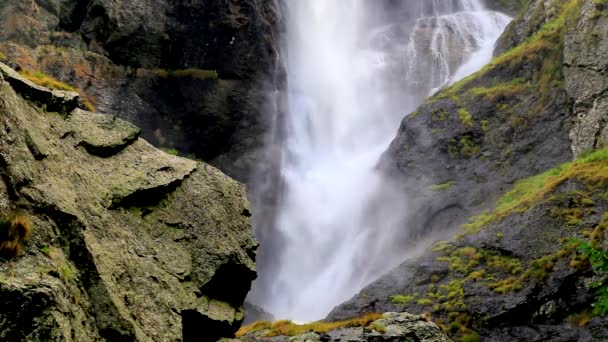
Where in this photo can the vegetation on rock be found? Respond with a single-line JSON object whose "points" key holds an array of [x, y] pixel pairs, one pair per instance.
{"points": [[14, 231], [47, 81], [599, 261], [288, 328]]}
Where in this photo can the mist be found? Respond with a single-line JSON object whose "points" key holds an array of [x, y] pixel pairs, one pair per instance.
{"points": [[355, 69]]}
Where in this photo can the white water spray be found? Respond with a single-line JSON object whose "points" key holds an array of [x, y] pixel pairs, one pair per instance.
{"points": [[343, 113]]}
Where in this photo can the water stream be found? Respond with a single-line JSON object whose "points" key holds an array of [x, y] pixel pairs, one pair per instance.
{"points": [[351, 79]]}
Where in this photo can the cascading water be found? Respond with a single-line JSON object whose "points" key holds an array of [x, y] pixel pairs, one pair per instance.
{"points": [[350, 82]]}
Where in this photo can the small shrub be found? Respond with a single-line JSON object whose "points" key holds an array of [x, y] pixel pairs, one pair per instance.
{"points": [[400, 299], [599, 262], [14, 231]]}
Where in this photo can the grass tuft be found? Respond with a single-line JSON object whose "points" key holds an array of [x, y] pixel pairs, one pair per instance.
{"points": [[288, 328]]}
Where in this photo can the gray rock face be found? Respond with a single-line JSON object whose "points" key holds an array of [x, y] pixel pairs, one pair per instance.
{"points": [[129, 243], [586, 82], [468, 145], [458, 281], [121, 54]]}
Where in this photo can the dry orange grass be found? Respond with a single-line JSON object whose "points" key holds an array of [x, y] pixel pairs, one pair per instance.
{"points": [[13, 233], [288, 328]]}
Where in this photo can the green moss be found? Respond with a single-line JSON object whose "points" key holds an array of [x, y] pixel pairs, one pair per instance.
{"points": [[441, 115], [471, 336], [440, 246], [171, 151], [544, 46], [591, 168], [465, 147], [465, 117], [401, 299], [379, 327], [504, 90], [46, 250], [537, 272], [424, 302], [67, 273], [443, 186], [484, 125]]}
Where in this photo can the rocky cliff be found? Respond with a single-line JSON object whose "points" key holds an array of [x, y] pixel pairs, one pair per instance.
{"points": [[493, 153], [128, 242], [194, 75]]}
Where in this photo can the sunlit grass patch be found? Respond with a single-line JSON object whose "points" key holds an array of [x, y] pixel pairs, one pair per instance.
{"points": [[288, 328]]}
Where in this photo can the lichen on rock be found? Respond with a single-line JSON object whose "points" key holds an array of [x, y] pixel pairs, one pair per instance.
{"points": [[130, 243]]}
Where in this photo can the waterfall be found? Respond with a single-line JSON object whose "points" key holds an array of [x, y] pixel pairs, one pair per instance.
{"points": [[351, 81]]}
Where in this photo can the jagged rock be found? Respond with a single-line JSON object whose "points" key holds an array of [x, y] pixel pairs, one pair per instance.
{"points": [[51, 100], [130, 243], [101, 135]]}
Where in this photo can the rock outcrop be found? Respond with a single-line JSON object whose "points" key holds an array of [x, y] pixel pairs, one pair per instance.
{"points": [[129, 243], [387, 327], [193, 75], [513, 272], [585, 68]]}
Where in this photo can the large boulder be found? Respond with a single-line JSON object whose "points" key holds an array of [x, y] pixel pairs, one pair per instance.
{"points": [[129, 243]]}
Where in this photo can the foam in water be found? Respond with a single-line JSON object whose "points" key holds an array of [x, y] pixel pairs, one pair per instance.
{"points": [[337, 221]]}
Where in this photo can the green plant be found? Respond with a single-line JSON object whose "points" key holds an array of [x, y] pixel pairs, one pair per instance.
{"points": [[471, 336], [424, 301], [171, 151], [401, 299], [465, 117], [599, 262]]}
